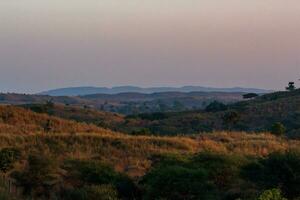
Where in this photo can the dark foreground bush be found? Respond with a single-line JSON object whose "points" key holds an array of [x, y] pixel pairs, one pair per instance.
{"points": [[8, 156], [94, 192], [97, 173], [178, 182], [279, 170], [40, 177]]}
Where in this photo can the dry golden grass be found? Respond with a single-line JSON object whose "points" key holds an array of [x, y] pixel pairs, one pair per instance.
{"points": [[20, 121], [133, 154]]}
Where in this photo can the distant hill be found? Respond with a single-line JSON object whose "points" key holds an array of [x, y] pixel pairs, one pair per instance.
{"points": [[129, 103], [257, 115], [79, 91]]}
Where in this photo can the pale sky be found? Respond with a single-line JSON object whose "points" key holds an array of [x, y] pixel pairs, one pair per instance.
{"points": [[46, 44]]}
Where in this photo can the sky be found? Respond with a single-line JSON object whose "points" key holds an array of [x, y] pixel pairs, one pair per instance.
{"points": [[47, 44]]}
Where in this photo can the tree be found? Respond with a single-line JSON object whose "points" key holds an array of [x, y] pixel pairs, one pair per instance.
{"points": [[216, 106], [231, 118], [178, 182], [250, 95], [291, 86], [278, 129], [178, 106]]}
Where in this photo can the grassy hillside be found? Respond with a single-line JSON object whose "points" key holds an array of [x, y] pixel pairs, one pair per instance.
{"points": [[134, 166], [253, 115], [46, 157], [256, 115], [85, 115], [19, 120]]}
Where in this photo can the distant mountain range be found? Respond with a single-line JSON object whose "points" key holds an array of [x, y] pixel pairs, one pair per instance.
{"points": [[79, 91]]}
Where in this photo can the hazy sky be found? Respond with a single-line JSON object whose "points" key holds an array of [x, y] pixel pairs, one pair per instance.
{"points": [[47, 44]]}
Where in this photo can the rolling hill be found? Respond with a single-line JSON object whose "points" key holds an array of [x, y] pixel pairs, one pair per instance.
{"points": [[22, 121], [79, 91], [129, 103], [256, 115]]}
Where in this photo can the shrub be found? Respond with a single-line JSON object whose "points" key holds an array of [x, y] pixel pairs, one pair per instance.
{"points": [[279, 170], [39, 177], [97, 173], [278, 129], [94, 192], [223, 170], [7, 158], [216, 106], [178, 182], [274, 194]]}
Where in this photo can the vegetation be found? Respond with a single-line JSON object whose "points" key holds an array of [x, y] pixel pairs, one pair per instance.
{"points": [[215, 166], [43, 156], [250, 95], [291, 86], [278, 129], [21, 121], [273, 194]]}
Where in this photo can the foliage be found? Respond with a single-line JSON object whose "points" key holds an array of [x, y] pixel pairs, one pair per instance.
{"points": [[40, 176], [279, 170], [178, 182], [250, 95], [274, 194], [278, 129], [97, 173], [7, 158], [291, 86], [93, 192], [216, 106]]}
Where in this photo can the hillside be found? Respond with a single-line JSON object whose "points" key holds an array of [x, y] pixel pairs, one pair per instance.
{"points": [[46, 157], [253, 115], [129, 103], [89, 166], [75, 113], [22, 121], [80, 91]]}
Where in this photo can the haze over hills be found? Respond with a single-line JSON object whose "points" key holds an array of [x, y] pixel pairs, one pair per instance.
{"points": [[258, 114], [130, 103], [79, 91]]}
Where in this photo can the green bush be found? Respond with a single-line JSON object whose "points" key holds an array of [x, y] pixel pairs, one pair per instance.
{"points": [[279, 170], [274, 194], [278, 129], [178, 182], [216, 106], [98, 173]]}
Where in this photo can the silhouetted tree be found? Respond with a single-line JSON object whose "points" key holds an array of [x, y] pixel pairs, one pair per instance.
{"points": [[278, 129], [250, 95], [291, 86], [215, 106]]}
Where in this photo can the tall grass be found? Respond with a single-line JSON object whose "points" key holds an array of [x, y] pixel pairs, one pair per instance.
{"points": [[133, 154]]}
